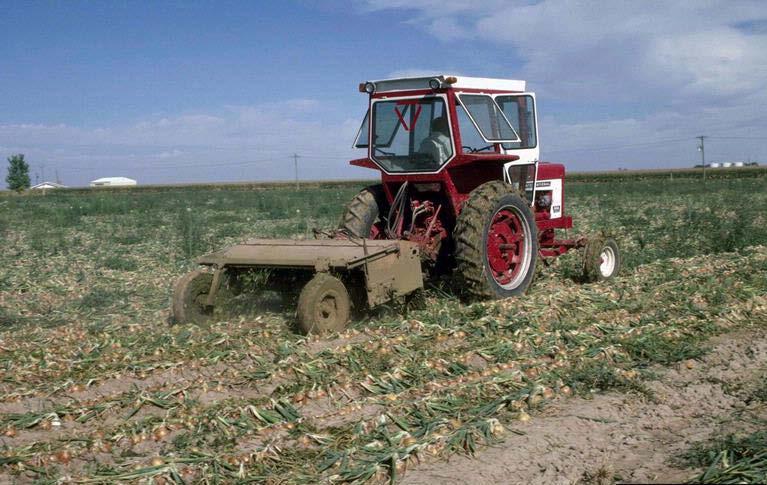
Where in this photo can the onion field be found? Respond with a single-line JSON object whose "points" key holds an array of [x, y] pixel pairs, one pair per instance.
{"points": [[97, 387]]}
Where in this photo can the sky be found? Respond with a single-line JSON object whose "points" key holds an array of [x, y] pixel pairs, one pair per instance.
{"points": [[197, 91]]}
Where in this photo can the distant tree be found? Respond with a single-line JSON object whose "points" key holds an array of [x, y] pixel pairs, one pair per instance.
{"points": [[18, 173]]}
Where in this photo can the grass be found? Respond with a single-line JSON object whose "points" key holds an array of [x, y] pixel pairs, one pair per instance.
{"points": [[759, 393], [84, 303], [730, 459], [593, 376]]}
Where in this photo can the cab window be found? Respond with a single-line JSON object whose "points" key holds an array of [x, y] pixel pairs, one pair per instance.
{"points": [[520, 111]]}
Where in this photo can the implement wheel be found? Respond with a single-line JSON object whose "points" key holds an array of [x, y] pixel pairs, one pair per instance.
{"points": [[496, 242], [323, 305], [601, 259], [189, 296], [362, 217]]}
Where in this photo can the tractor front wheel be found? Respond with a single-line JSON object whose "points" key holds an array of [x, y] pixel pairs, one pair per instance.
{"points": [[496, 242], [601, 259], [324, 305], [189, 297], [362, 217]]}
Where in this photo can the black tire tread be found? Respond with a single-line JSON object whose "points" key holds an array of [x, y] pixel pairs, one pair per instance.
{"points": [[468, 234], [362, 211], [591, 263]]}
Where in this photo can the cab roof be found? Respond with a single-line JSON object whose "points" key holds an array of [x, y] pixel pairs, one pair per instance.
{"points": [[458, 82]]}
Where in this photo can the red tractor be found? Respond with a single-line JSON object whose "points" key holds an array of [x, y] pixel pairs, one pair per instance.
{"points": [[460, 176], [462, 190]]}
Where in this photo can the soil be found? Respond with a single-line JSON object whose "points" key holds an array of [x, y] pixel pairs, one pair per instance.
{"points": [[629, 438]]}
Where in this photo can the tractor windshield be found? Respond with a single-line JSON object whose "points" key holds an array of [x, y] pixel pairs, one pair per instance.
{"points": [[411, 135]]}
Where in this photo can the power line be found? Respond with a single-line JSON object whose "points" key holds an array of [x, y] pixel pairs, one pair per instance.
{"points": [[619, 147], [176, 164], [738, 137], [165, 167]]}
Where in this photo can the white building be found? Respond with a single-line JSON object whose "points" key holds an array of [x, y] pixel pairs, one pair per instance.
{"points": [[47, 185], [727, 164], [113, 182], [714, 165]]}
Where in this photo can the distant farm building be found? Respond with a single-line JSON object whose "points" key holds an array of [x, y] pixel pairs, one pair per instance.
{"points": [[113, 182], [730, 164], [47, 185]]}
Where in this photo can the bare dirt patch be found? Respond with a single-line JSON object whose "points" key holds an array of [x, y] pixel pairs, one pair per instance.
{"points": [[622, 437]]}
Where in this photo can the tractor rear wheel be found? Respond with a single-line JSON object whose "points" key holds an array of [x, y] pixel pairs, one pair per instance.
{"points": [[189, 297], [323, 305], [496, 242], [601, 259], [362, 217]]}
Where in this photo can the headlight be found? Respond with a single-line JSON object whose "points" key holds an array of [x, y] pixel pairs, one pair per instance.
{"points": [[435, 84], [370, 88]]}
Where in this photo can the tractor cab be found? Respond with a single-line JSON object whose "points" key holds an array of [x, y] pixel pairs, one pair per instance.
{"points": [[474, 115], [431, 125]]}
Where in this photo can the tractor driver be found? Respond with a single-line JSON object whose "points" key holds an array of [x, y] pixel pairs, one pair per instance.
{"points": [[437, 145]]}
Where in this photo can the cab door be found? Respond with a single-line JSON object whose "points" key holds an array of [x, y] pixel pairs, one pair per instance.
{"points": [[520, 110]]}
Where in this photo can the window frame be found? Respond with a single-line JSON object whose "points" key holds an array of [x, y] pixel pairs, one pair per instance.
{"points": [[448, 114], [535, 117], [365, 121], [476, 125]]}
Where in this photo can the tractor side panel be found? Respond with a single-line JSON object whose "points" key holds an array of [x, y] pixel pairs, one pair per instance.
{"points": [[551, 177]]}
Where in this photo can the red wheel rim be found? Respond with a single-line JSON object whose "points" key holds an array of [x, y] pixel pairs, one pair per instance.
{"points": [[507, 247]]}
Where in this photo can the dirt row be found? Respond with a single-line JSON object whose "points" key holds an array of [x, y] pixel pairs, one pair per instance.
{"points": [[623, 437]]}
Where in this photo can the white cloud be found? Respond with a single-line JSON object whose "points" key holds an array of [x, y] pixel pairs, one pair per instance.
{"points": [[175, 153], [724, 61], [688, 68], [239, 143], [691, 47]]}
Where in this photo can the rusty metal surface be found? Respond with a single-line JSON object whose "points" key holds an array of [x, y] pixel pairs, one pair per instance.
{"points": [[391, 268], [394, 275], [290, 253]]}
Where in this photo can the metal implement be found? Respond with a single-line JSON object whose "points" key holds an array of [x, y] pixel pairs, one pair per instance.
{"points": [[388, 268], [391, 268]]}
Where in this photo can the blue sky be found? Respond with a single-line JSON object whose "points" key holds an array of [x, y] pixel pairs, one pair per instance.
{"points": [[217, 91]]}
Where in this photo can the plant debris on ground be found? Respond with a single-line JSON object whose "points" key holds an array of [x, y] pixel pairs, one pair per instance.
{"points": [[96, 387]]}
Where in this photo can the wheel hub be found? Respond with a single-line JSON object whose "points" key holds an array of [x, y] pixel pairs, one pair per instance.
{"points": [[328, 308], [506, 246], [607, 261]]}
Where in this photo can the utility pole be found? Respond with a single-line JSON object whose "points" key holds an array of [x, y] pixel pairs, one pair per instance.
{"points": [[295, 163], [702, 150]]}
